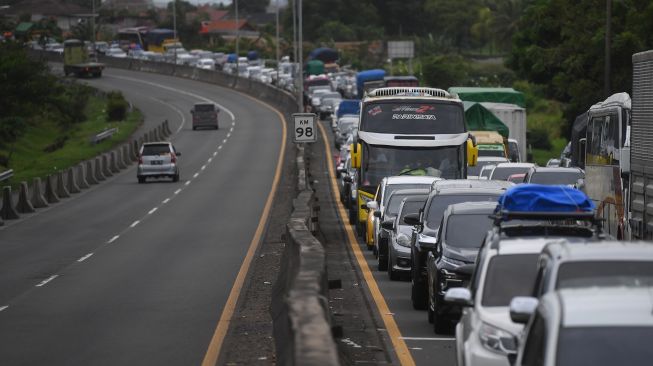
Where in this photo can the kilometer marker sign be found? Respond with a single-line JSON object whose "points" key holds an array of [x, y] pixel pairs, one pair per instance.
{"points": [[304, 130]]}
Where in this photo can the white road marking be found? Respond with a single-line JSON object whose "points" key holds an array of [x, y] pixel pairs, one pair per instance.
{"points": [[166, 201], [427, 338], [210, 160], [113, 239], [224, 141], [228, 135], [152, 211], [183, 119], [3, 307], [204, 166], [219, 148], [187, 182], [177, 191], [45, 282], [135, 223], [231, 129], [215, 152], [197, 174], [85, 257]]}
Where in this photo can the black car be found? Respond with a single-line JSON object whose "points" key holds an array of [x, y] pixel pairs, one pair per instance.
{"points": [[427, 223], [450, 263]]}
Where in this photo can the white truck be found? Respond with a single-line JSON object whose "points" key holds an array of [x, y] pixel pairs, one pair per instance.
{"points": [[514, 117]]}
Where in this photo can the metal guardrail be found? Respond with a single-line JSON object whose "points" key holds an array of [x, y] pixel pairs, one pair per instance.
{"points": [[103, 135], [6, 175]]}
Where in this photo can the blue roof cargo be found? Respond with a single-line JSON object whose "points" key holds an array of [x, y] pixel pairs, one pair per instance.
{"points": [[349, 106], [543, 198], [232, 57], [366, 76], [252, 55], [324, 54]]}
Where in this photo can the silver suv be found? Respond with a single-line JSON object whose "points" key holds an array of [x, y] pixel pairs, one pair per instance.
{"points": [[157, 159]]}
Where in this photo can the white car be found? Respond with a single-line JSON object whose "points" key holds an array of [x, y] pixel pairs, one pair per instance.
{"points": [[115, 52], [206, 64], [503, 171]]}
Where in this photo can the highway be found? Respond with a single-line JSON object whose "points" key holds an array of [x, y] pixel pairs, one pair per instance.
{"points": [[410, 334], [126, 273]]}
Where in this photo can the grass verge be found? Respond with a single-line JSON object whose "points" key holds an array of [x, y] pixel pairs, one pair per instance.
{"points": [[30, 160]]}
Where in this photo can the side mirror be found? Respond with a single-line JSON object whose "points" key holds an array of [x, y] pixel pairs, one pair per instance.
{"points": [[412, 219], [373, 205], [377, 213], [348, 179], [177, 153], [472, 152], [388, 224], [459, 296], [426, 242], [521, 308], [355, 155]]}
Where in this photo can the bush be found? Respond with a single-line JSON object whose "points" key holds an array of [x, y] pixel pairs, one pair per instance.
{"points": [[539, 138], [445, 71], [116, 106]]}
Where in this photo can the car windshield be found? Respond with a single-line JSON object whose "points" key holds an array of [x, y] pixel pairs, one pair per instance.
{"points": [[204, 107], [421, 118], [410, 207], [556, 177], [384, 161], [502, 173], [439, 203], [476, 170], [467, 231], [394, 203], [391, 188], [607, 345], [161, 149], [605, 273], [517, 270]]}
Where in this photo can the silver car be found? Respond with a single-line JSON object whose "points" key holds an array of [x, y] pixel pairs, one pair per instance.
{"points": [[399, 235], [157, 159]]}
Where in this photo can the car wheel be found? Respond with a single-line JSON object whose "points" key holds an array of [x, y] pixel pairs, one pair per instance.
{"points": [[441, 323], [194, 128], [417, 295], [382, 261], [352, 217], [392, 274], [141, 180], [175, 178], [430, 306], [217, 127]]}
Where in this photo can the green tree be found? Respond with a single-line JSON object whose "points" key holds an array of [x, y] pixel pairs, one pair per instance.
{"points": [[445, 71], [454, 20]]}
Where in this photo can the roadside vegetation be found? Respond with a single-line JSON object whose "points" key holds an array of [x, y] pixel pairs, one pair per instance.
{"points": [[47, 123]]}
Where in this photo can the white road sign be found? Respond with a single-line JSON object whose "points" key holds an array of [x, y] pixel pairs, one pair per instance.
{"points": [[304, 127], [401, 49]]}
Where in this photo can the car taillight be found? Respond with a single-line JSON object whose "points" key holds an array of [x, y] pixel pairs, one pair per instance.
{"points": [[140, 159], [173, 159]]}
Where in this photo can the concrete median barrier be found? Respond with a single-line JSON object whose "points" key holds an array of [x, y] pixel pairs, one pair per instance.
{"points": [[50, 194], [61, 190], [82, 174], [97, 170], [71, 185], [124, 153], [24, 206], [105, 166], [8, 212], [113, 162], [38, 199], [133, 150], [91, 177]]}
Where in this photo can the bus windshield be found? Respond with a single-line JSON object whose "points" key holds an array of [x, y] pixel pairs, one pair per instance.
{"points": [[384, 161], [413, 118]]}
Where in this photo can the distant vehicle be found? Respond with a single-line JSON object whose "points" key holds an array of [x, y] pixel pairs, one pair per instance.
{"points": [[392, 81], [587, 326], [206, 64], [345, 125], [115, 52], [486, 171], [368, 80], [205, 115], [76, 60], [157, 159], [475, 171], [187, 59], [399, 236], [490, 143], [552, 176], [504, 170], [327, 101]]}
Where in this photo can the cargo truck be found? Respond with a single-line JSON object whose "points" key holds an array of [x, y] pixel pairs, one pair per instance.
{"points": [[76, 60], [368, 80], [640, 164]]}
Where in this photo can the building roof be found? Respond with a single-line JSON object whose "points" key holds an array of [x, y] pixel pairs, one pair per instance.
{"points": [[226, 26], [47, 7]]}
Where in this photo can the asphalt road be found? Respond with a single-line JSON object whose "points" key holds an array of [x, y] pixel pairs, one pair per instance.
{"points": [[425, 346], [139, 274]]}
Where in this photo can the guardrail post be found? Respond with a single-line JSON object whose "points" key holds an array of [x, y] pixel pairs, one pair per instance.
{"points": [[125, 156], [38, 201], [113, 160], [159, 130], [50, 194], [166, 123], [90, 176], [72, 186], [105, 166], [23, 205], [62, 192], [8, 212], [81, 174], [98, 170]]}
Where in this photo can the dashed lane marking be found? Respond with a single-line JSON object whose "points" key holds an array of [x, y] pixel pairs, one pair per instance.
{"points": [[165, 201], [187, 183], [113, 239], [46, 281], [177, 191], [203, 167], [85, 257], [4, 307], [152, 211], [135, 223], [197, 174]]}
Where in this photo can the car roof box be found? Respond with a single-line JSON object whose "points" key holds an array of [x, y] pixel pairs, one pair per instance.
{"points": [[536, 201]]}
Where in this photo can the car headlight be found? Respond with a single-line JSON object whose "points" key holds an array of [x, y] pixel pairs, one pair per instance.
{"points": [[497, 340], [403, 240]]}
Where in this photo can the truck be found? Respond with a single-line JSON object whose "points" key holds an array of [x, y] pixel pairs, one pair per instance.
{"points": [[639, 164], [76, 60], [507, 104], [369, 79]]}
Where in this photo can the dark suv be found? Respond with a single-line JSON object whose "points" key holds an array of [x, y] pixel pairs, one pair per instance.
{"points": [[427, 223], [450, 264], [205, 115]]}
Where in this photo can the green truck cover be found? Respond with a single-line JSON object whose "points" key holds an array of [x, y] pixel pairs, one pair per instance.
{"points": [[314, 67], [494, 95], [479, 118]]}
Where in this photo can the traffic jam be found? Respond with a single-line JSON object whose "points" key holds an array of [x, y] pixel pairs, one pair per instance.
{"points": [[522, 264]]}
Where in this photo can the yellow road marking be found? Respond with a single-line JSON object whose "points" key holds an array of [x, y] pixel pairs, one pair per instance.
{"points": [[401, 349], [213, 352]]}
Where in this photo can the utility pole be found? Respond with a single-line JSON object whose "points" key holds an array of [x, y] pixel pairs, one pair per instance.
{"points": [[237, 39], [608, 34], [294, 32], [278, 59], [300, 59], [93, 28], [174, 28]]}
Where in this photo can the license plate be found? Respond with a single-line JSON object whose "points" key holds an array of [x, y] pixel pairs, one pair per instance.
{"points": [[157, 162]]}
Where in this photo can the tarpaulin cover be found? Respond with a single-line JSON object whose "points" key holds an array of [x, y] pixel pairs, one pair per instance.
{"points": [[479, 118], [232, 57], [324, 54], [315, 67], [544, 198], [349, 106], [252, 55], [494, 95]]}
